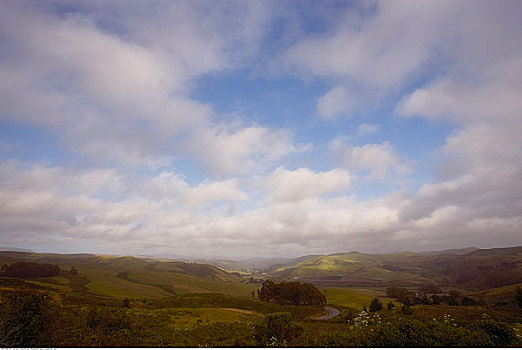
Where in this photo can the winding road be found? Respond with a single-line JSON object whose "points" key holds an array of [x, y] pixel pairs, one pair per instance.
{"points": [[331, 313]]}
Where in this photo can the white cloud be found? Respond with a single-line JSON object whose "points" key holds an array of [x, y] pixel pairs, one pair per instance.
{"points": [[367, 129], [165, 216], [481, 162], [379, 159], [240, 151], [337, 102], [121, 92], [376, 53], [290, 186], [126, 97]]}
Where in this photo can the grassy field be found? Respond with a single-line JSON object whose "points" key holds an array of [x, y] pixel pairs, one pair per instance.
{"points": [[191, 284], [354, 298], [186, 318]]}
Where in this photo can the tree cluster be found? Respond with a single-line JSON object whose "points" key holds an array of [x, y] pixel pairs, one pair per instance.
{"points": [[30, 270], [430, 289], [409, 298], [291, 293]]}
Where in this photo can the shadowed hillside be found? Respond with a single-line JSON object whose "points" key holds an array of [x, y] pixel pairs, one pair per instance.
{"points": [[473, 269]]}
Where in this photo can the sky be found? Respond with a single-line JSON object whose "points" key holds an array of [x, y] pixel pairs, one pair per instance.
{"points": [[241, 129]]}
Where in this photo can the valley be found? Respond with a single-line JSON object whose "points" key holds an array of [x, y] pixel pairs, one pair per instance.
{"points": [[137, 301]]}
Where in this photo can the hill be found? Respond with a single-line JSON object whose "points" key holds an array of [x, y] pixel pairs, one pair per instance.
{"points": [[470, 268], [128, 276], [14, 249]]}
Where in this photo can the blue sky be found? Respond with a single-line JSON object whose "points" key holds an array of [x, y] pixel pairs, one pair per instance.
{"points": [[260, 128]]}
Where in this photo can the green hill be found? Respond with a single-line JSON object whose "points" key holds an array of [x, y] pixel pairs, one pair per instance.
{"points": [[128, 276], [470, 268]]}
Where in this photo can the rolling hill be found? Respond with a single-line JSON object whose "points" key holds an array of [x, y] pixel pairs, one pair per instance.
{"points": [[128, 276], [470, 268]]}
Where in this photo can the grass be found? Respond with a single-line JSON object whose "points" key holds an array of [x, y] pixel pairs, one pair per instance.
{"points": [[354, 298], [118, 288], [500, 291], [187, 318], [103, 281], [151, 284], [184, 284]]}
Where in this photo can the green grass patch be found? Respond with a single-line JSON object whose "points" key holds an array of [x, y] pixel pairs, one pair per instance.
{"points": [[187, 318], [354, 298], [183, 284]]}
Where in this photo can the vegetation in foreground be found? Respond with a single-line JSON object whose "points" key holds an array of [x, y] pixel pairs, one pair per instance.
{"points": [[51, 305], [36, 316]]}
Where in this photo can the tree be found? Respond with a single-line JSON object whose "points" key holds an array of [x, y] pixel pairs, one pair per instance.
{"points": [[291, 293], [467, 301], [375, 305], [391, 305], [74, 271], [24, 269], [430, 289], [126, 303], [403, 295]]}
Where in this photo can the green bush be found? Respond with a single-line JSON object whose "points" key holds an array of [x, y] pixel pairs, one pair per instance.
{"points": [[501, 334], [276, 329], [26, 319], [375, 305]]}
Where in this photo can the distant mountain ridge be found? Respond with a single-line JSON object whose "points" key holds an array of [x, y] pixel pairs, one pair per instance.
{"points": [[451, 251], [469, 268], [466, 268], [14, 249]]}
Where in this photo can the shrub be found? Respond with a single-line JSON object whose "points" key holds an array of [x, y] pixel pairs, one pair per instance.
{"points": [[276, 329], [375, 305], [500, 333], [26, 319]]}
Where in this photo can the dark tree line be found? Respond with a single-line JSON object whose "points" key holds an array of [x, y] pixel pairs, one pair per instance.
{"points": [[409, 298], [291, 293], [30, 270]]}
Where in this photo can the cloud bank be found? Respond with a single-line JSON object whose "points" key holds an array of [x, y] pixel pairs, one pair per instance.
{"points": [[155, 170]]}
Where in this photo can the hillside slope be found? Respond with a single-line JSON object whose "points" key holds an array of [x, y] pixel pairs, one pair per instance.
{"points": [[128, 276], [470, 268]]}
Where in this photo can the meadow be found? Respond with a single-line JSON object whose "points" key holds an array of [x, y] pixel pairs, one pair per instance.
{"points": [[355, 298]]}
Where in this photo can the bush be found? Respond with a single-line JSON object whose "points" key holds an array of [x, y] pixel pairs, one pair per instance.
{"points": [[26, 319], [501, 334], [375, 305], [276, 329]]}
